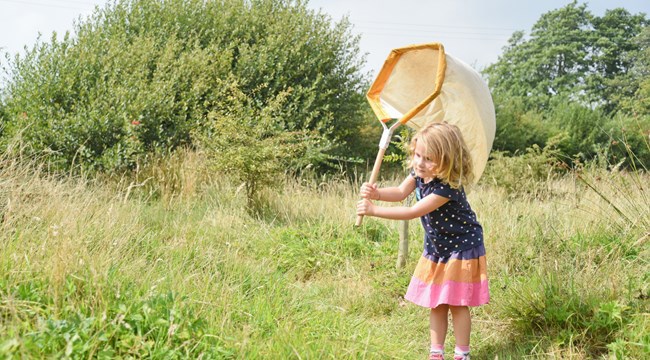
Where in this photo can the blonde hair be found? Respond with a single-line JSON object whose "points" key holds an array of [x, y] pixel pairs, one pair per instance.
{"points": [[445, 145]]}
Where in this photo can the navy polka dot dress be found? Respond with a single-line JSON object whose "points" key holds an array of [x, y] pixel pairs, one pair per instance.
{"points": [[452, 269]]}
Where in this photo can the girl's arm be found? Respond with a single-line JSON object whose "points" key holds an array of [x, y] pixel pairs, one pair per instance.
{"points": [[393, 194], [424, 206]]}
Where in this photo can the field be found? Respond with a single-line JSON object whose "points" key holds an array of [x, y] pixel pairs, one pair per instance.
{"points": [[172, 265]]}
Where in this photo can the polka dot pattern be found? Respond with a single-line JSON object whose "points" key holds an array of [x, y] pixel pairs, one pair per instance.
{"points": [[451, 227]]}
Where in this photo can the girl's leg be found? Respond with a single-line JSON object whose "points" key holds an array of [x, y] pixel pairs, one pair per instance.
{"points": [[438, 324], [462, 324]]}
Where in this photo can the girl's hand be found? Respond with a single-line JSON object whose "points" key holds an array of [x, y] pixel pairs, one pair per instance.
{"points": [[369, 191], [365, 207]]}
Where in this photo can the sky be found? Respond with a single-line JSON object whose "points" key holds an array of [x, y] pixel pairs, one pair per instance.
{"points": [[474, 31]]}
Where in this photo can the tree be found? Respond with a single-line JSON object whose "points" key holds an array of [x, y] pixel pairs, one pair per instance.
{"points": [[634, 94], [570, 54], [140, 76], [570, 84], [552, 62], [615, 51]]}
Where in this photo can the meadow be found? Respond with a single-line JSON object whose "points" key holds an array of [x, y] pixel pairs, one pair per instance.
{"points": [[171, 264]]}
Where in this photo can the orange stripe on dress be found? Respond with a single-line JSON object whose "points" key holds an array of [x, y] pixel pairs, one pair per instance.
{"points": [[466, 271]]}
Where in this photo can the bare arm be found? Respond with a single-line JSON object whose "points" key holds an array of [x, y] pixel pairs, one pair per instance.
{"points": [[392, 194], [424, 206]]}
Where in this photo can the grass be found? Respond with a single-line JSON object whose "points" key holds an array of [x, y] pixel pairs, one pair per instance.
{"points": [[170, 264]]}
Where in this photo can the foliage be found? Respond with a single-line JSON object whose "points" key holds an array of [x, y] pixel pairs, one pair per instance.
{"points": [[527, 174], [628, 143], [518, 127], [551, 62], [397, 151], [576, 133], [577, 82], [616, 50], [572, 54], [561, 312], [556, 294], [251, 146], [138, 76], [154, 325], [579, 130], [90, 270], [637, 81]]}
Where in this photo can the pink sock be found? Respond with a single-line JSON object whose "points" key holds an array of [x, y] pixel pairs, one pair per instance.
{"points": [[462, 348], [437, 347]]}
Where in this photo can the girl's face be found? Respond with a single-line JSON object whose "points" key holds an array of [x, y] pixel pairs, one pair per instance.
{"points": [[423, 165]]}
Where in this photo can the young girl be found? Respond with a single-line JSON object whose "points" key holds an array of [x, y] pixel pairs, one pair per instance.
{"points": [[451, 274]]}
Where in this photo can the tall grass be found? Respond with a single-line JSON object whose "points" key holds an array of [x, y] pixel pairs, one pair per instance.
{"points": [[170, 264]]}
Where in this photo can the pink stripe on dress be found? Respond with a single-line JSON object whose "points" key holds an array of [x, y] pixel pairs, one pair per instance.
{"points": [[449, 292]]}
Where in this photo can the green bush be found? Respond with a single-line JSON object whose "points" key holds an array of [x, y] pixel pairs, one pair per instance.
{"points": [[554, 307], [577, 133], [628, 142], [518, 127], [133, 325], [579, 129], [527, 174], [138, 76], [251, 146]]}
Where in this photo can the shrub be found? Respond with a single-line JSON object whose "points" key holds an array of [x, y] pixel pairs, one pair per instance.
{"points": [[518, 127], [628, 142], [153, 325], [580, 129], [251, 146], [560, 312], [527, 174], [139, 76]]}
